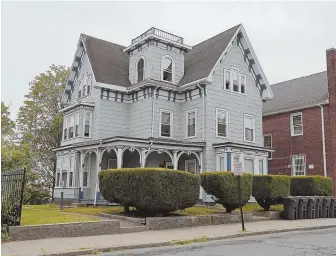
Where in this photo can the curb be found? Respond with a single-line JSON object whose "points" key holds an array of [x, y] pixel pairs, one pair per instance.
{"points": [[211, 238]]}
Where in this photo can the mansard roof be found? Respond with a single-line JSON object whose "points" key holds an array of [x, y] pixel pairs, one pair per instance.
{"points": [[298, 93]]}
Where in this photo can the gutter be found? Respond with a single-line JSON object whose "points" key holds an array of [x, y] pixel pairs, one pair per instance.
{"points": [[203, 112], [323, 141], [153, 110]]}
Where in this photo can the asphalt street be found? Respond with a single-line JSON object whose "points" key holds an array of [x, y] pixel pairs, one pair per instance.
{"points": [[305, 243]]}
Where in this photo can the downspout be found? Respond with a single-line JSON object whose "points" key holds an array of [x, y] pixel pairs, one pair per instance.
{"points": [[323, 141], [153, 110], [97, 166], [203, 112]]}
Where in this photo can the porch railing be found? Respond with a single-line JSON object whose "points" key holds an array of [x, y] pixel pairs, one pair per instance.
{"points": [[159, 33]]}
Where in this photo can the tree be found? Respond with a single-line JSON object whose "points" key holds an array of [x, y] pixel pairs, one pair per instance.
{"points": [[39, 121], [13, 155]]}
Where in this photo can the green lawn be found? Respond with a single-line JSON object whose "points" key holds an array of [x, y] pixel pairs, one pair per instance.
{"points": [[50, 213], [36, 216]]}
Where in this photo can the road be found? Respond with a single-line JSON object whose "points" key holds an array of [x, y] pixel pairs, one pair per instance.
{"points": [[305, 243]]}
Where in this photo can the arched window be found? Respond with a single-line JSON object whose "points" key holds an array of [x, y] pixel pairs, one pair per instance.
{"points": [[140, 69], [167, 69]]}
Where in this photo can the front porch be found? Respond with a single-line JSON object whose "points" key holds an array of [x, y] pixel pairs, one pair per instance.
{"points": [[77, 176]]}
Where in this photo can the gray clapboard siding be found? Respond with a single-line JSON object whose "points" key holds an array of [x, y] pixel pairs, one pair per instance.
{"points": [[153, 56], [140, 118], [235, 103]]}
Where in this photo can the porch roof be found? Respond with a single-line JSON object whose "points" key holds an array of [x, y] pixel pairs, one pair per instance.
{"points": [[149, 141], [241, 146]]}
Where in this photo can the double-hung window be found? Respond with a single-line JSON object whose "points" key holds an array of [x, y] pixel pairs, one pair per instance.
{"points": [[65, 128], [166, 122], [235, 79], [249, 128], [87, 124], [298, 163], [71, 126], [167, 69], [222, 122], [191, 123], [296, 124], [268, 144], [77, 125], [140, 69], [227, 80]]}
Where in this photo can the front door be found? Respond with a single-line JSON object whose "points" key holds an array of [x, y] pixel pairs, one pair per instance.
{"points": [[190, 166]]}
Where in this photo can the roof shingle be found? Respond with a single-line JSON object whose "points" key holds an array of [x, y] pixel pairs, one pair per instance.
{"points": [[298, 93]]}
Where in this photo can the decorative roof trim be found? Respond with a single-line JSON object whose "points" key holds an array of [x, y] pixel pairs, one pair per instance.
{"points": [[111, 86], [316, 104], [241, 29], [76, 105], [242, 146], [150, 36], [85, 50]]}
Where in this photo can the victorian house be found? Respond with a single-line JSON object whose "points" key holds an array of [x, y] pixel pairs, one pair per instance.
{"points": [[161, 103]]}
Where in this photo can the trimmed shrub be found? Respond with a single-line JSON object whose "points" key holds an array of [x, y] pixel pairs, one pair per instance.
{"points": [[150, 190], [311, 186], [223, 186], [270, 189]]}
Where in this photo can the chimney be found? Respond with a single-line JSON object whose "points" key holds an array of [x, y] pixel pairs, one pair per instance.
{"points": [[331, 120]]}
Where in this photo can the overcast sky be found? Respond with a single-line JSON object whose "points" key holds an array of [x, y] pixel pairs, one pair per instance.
{"points": [[289, 39]]}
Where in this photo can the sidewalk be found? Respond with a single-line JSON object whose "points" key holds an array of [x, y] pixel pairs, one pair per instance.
{"points": [[83, 245]]}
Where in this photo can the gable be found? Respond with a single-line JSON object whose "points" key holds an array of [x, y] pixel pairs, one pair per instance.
{"points": [[199, 61]]}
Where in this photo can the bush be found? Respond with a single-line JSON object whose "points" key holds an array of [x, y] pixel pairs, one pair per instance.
{"points": [[311, 186], [224, 187], [150, 190], [270, 189]]}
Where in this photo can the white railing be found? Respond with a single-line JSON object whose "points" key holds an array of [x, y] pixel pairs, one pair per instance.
{"points": [[159, 33]]}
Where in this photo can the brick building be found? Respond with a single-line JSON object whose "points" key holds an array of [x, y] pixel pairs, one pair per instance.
{"points": [[293, 126]]}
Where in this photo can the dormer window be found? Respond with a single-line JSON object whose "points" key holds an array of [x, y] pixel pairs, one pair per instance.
{"points": [[140, 69], [167, 69]]}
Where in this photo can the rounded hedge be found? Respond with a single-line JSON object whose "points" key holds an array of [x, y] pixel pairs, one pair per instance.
{"points": [[223, 186], [270, 189], [311, 186], [150, 190]]}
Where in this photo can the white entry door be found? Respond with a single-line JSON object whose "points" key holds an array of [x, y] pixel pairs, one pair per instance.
{"points": [[190, 166]]}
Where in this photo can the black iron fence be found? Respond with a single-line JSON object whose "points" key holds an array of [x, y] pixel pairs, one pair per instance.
{"points": [[12, 187]]}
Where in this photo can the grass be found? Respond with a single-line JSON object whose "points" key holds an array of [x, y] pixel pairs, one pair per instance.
{"points": [[35, 216], [202, 239], [51, 214]]}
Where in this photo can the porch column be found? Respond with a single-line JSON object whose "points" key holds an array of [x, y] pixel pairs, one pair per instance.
{"points": [[119, 157], [81, 170], [143, 157], [98, 168], [175, 163], [201, 170]]}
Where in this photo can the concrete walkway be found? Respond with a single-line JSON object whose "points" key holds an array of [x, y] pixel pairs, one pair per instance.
{"points": [[85, 245]]}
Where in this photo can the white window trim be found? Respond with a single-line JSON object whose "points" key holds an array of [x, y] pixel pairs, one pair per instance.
{"points": [[227, 122], [269, 134], [224, 86], [231, 81], [171, 122], [254, 130], [293, 165], [186, 162], [186, 125], [253, 161], [136, 69], [90, 122], [291, 123], [173, 69]]}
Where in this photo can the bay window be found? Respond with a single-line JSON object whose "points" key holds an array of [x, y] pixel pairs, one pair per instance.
{"points": [[71, 126], [77, 125], [65, 128], [87, 124]]}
